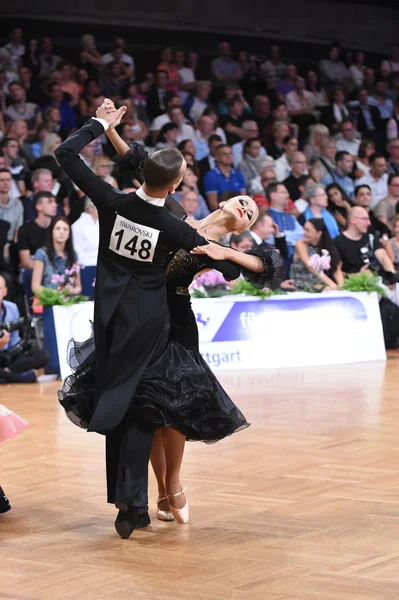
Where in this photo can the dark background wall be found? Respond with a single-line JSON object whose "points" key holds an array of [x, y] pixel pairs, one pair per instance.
{"points": [[358, 24]]}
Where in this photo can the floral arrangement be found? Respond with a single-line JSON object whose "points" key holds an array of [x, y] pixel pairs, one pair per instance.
{"points": [[60, 296], [320, 262], [210, 284]]}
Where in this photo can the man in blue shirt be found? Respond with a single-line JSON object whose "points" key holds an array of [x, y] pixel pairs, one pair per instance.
{"points": [[223, 178], [68, 117], [316, 195], [344, 162], [17, 364], [278, 196]]}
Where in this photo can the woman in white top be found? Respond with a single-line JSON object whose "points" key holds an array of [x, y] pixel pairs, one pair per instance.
{"points": [[366, 149], [357, 69]]}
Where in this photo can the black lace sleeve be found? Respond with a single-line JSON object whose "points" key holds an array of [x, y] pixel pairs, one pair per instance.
{"points": [[273, 269], [175, 208], [229, 269], [132, 163]]}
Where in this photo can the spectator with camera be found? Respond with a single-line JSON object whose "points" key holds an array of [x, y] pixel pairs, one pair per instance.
{"points": [[18, 359]]}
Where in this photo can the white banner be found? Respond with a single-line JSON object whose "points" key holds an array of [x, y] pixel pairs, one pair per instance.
{"points": [[238, 333]]}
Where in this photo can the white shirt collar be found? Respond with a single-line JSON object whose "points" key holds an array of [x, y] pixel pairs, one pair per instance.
{"points": [[155, 201], [256, 237]]}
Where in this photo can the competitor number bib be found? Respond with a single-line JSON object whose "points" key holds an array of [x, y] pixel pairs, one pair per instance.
{"points": [[132, 240]]}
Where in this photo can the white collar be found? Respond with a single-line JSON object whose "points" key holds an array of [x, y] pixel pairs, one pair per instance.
{"points": [[256, 237], [155, 201]]}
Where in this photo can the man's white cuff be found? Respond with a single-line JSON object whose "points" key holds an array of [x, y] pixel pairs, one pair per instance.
{"points": [[102, 121]]}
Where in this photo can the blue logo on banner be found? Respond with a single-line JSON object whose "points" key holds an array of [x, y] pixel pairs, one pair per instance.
{"points": [[241, 321]]}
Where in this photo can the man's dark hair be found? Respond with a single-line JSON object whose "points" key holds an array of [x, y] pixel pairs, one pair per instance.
{"points": [[51, 85], [223, 146], [271, 189], [341, 155], [162, 168], [262, 216], [237, 238], [214, 138], [359, 187], [5, 171], [7, 140], [362, 152], [375, 156], [288, 138], [391, 177], [14, 83], [233, 101], [347, 120], [304, 179], [38, 197]]}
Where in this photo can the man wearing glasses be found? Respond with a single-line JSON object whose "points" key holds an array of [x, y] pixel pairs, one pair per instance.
{"points": [[348, 141]]}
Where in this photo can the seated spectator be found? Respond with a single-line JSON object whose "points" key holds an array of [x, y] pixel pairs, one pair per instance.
{"points": [[366, 149], [158, 95], [393, 161], [189, 183], [11, 209], [16, 165], [34, 93], [393, 243], [167, 136], [301, 204], [187, 74], [32, 235], [186, 131], [47, 60], [102, 166], [358, 249], [282, 165], [287, 84], [187, 146], [12, 53], [381, 101], [387, 209], [312, 150], [364, 199], [357, 69], [264, 229], [281, 130], [332, 116], [313, 85], [300, 105], [298, 166], [56, 96], [53, 122], [339, 205], [250, 130], [368, 117], [208, 163], [18, 130], [344, 167], [31, 59], [91, 89], [241, 242], [119, 45], [272, 70], [6, 78], [19, 109], [262, 114], [196, 103], [36, 147], [86, 235], [393, 123], [162, 119], [171, 69], [225, 68], [333, 69], [137, 105], [90, 58], [114, 81], [325, 163], [206, 130], [377, 179], [68, 84], [317, 198], [348, 141], [17, 360], [222, 178], [232, 122], [278, 197], [56, 256], [42, 181], [189, 201], [316, 239], [252, 164]]}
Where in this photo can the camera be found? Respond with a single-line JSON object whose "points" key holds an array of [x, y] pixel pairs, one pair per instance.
{"points": [[12, 325]]}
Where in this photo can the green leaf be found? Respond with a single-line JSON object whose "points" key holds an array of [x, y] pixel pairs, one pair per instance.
{"points": [[53, 297], [363, 282]]}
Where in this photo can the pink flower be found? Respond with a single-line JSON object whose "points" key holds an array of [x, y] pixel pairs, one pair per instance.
{"points": [[320, 263]]}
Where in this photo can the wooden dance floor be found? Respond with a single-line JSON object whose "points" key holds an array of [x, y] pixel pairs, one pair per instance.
{"points": [[304, 505]]}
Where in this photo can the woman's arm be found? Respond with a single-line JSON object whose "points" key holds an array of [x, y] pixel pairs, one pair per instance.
{"points": [[217, 252], [37, 275], [120, 146], [339, 276]]}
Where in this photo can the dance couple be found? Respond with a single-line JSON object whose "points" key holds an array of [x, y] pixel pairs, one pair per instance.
{"points": [[145, 372]]}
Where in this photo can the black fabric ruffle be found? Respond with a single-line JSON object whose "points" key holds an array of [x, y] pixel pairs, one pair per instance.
{"points": [[274, 269], [179, 390], [131, 165]]}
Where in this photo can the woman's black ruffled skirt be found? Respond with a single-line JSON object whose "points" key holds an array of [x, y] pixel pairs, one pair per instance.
{"points": [[178, 390]]}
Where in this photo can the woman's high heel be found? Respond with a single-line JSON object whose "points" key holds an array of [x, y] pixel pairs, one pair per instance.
{"points": [[180, 514], [164, 515]]}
